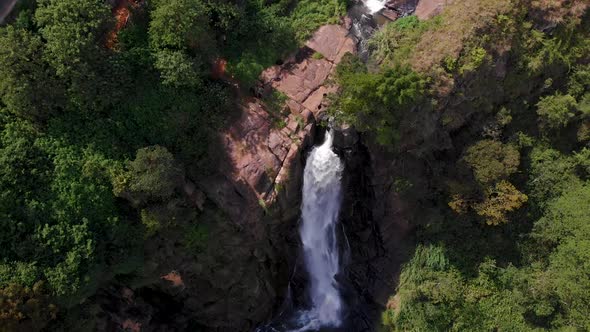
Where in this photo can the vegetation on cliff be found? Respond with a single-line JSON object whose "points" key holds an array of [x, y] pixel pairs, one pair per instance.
{"points": [[503, 236]]}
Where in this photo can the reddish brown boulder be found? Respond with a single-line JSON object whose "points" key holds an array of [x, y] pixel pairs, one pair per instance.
{"points": [[389, 14], [332, 41]]}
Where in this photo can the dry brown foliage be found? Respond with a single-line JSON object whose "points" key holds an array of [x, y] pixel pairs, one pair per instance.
{"points": [[558, 11], [461, 21]]}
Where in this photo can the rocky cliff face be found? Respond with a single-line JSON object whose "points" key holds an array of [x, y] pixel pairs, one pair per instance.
{"points": [[251, 206]]}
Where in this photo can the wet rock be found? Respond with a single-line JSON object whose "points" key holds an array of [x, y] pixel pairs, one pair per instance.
{"points": [[345, 137], [402, 7], [390, 14]]}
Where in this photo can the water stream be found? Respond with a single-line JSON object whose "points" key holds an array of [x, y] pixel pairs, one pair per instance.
{"points": [[374, 6], [319, 213], [321, 199]]}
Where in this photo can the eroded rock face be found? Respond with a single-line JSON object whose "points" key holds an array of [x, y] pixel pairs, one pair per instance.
{"points": [[303, 76], [375, 220], [258, 155]]}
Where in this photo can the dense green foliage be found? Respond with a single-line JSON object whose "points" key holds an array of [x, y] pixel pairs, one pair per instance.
{"points": [[99, 128], [380, 98], [267, 31]]}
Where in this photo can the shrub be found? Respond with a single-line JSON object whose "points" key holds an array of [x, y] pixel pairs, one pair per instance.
{"points": [[556, 111], [499, 201], [153, 175], [492, 161]]}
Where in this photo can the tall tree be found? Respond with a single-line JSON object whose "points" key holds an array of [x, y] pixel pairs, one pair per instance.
{"points": [[71, 28], [28, 86]]}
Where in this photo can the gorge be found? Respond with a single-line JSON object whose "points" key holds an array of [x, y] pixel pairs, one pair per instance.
{"points": [[294, 165]]}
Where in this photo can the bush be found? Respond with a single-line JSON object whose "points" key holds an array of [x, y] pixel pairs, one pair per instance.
{"points": [[499, 201], [375, 101], [153, 175], [556, 111], [309, 15], [492, 161]]}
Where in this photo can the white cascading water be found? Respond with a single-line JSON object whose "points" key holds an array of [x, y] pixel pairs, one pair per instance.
{"points": [[374, 5], [319, 212]]}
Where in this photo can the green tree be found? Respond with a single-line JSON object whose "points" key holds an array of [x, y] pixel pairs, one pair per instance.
{"points": [[551, 173], [178, 24], [556, 111], [25, 173], [177, 27], [28, 87], [579, 81], [178, 69], [429, 292], [153, 175], [71, 29], [492, 161], [434, 296], [564, 230], [375, 101]]}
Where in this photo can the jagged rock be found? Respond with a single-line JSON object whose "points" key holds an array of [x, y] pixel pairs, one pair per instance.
{"points": [[345, 137], [332, 41], [316, 101], [302, 78], [402, 7]]}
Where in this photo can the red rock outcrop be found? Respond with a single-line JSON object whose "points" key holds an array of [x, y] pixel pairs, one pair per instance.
{"points": [[261, 155], [303, 76]]}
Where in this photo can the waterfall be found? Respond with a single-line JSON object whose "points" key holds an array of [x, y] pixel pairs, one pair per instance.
{"points": [[374, 5], [319, 213]]}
